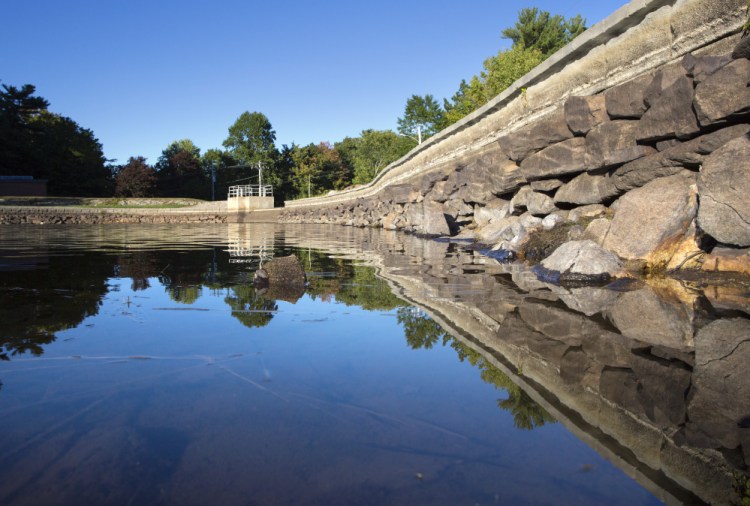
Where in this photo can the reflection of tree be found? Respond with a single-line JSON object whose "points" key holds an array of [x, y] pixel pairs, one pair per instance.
{"points": [[36, 304], [184, 294], [139, 267], [251, 309], [421, 331], [353, 285]]}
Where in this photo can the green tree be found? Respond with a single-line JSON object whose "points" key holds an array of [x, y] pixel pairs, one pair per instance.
{"points": [[347, 149], [541, 30], [376, 149], [469, 97], [251, 141], [317, 169], [422, 117], [536, 35], [70, 157], [423, 332], [180, 171], [135, 179], [501, 71], [17, 108], [216, 160], [250, 308], [39, 143]]}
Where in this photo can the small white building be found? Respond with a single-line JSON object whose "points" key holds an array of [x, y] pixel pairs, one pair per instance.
{"points": [[250, 197]]}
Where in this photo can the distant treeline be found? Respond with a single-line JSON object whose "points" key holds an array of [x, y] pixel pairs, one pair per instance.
{"points": [[40, 143]]}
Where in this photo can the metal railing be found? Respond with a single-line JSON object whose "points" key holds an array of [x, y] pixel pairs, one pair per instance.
{"points": [[251, 190]]}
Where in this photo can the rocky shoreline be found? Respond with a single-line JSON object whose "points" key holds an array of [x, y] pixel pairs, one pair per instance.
{"points": [[649, 176], [84, 216]]}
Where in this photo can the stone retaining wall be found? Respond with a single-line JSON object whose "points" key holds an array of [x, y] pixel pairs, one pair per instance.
{"points": [[635, 136], [66, 215]]}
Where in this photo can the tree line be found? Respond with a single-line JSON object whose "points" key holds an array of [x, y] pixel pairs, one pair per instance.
{"points": [[37, 142]]}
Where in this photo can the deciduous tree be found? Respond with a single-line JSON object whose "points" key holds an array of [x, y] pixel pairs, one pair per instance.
{"points": [[135, 179], [376, 149], [181, 173]]}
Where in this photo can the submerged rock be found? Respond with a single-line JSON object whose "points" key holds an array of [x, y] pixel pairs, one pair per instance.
{"points": [[285, 271]]}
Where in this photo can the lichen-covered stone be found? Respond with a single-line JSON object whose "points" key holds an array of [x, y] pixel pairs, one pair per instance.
{"points": [[586, 189], [540, 134], [724, 190], [614, 143], [724, 94], [584, 113], [535, 203], [674, 159], [567, 157], [671, 114], [627, 100]]}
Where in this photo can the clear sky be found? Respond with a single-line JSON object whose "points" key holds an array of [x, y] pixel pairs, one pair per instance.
{"points": [[143, 73]]}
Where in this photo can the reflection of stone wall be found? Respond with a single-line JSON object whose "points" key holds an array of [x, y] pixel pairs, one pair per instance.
{"points": [[71, 216], [655, 377]]}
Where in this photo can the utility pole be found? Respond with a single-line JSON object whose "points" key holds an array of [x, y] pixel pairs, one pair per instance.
{"points": [[213, 181], [262, 190], [308, 185]]}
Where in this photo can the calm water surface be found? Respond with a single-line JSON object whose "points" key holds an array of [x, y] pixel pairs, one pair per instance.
{"points": [[141, 366]]}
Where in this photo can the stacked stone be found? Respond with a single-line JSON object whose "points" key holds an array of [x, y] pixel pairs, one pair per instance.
{"points": [[658, 168]]}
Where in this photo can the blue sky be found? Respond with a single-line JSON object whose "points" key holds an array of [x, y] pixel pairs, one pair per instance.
{"points": [[142, 74]]}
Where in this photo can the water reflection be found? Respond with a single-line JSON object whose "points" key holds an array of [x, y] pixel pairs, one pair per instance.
{"points": [[652, 375]]}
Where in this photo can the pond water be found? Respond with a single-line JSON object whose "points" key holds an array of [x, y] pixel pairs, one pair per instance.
{"points": [[140, 365]]}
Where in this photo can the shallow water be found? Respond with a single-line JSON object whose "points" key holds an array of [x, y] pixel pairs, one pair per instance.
{"points": [[141, 366]]}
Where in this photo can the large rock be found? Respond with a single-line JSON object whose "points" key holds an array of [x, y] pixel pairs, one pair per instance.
{"points": [[546, 185], [650, 220], [505, 229], [719, 402], [427, 218], [661, 389], [589, 300], [495, 209], [558, 323], [672, 160], [671, 114], [540, 134], [645, 316], [586, 189], [614, 143], [724, 187], [457, 208], [700, 67], [535, 203], [724, 94], [402, 193], [482, 179], [282, 278], [567, 157], [627, 100], [584, 113], [579, 262]]}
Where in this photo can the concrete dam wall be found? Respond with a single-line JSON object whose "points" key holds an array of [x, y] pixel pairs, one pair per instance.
{"points": [[637, 131]]}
